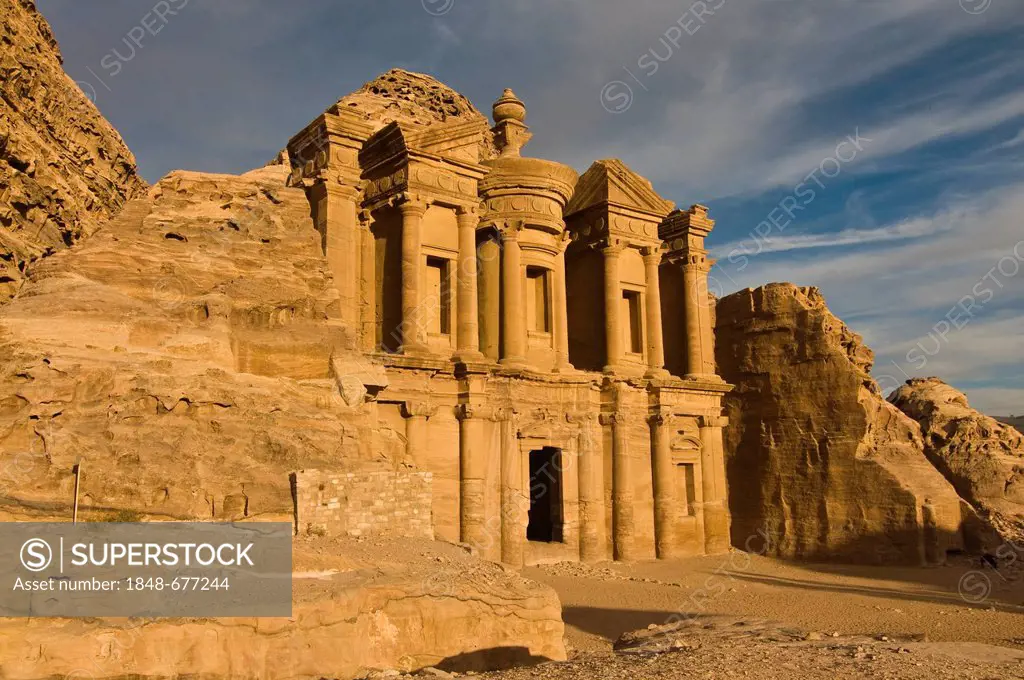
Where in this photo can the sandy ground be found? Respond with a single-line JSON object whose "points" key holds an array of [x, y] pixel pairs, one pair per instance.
{"points": [[601, 603]]}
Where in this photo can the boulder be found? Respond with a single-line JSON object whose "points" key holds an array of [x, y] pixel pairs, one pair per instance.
{"points": [[820, 466], [359, 608], [63, 168], [981, 457]]}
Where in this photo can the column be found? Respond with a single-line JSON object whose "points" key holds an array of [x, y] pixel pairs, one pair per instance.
{"points": [[472, 471], [700, 360], [712, 462], [655, 335], [612, 305], [413, 332], [368, 284], [489, 312], [593, 537], [514, 503], [622, 490], [336, 220], [665, 504], [416, 434], [468, 333], [561, 313], [514, 317]]}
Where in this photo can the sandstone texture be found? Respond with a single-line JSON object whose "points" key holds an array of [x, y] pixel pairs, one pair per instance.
{"points": [[63, 168], [981, 457], [359, 608], [183, 354], [819, 464]]}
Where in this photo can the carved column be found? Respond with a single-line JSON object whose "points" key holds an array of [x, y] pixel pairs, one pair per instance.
{"points": [[413, 331], [514, 317], [468, 332], [622, 489], [655, 335], [489, 312], [368, 283], [712, 462], [472, 473], [514, 503], [416, 433], [335, 208], [612, 305], [700, 358], [561, 315], [665, 504], [593, 535]]}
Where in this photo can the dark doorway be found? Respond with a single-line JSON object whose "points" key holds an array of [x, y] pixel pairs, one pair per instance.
{"points": [[545, 496]]}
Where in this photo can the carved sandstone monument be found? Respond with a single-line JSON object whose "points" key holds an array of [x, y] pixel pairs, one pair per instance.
{"points": [[63, 168], [981, 457], [820, 465], [518, 312]]}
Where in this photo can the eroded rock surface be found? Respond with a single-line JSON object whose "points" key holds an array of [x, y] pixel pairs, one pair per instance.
{"points": [[818, 461], [983, 458], [184, 354], [359, 608], [63, 168]]}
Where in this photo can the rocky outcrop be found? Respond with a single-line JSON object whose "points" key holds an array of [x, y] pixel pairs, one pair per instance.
{"points": [[184, 354], [818, 462], [358, 607], [63, 168], [981, 457]]}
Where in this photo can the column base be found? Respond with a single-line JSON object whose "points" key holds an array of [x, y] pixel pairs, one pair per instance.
{"points": [[611, 369], [513, 362], [469, 356], [657, 374], [565, 368], [717, 538], [704, 377]]}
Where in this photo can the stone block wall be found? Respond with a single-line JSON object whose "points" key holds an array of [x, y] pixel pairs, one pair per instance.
{"points": [[363, 503]]}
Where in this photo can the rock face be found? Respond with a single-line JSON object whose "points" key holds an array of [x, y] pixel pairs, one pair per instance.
{"points": [[819, 464], [358, 608], [63, 168], [184, 353], [981, 457]]}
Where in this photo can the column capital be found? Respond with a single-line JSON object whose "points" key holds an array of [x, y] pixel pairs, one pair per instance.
{"points": [[511, 230], [612, 247], [412, 204], [712, 421], [610, 418], [467, 212], [417, 409], [652, 255], [366, 218], [658, 419], [475, 411]]}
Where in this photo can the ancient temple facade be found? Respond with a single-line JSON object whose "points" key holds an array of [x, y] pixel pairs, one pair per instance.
{"points": [[546, 338]]}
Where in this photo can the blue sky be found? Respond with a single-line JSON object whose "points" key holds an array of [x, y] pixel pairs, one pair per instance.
{"points": [[913, 228]]}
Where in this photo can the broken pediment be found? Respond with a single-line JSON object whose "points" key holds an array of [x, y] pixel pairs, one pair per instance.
{"points": [[612, 183]]}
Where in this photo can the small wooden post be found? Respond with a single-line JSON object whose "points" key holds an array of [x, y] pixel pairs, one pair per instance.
{"points": [[78, 478]]}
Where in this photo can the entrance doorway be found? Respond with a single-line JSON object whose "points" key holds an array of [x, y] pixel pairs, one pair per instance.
{"points": [[545, 496]]}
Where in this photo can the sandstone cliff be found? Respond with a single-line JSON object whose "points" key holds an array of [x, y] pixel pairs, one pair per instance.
{"points": [[818, 462], [983, 458], [184, 354], [63, 168]]}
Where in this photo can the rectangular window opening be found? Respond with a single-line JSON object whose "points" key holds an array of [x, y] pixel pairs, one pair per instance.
{"points": [[634, 321], [538, 299], [438, 296]]}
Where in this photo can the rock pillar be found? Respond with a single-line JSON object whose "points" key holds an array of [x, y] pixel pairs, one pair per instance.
{"points": [[715, 503], [472, 473], [416, 434], [514, 503], [665, 503], [593, 534], [514, 317], [489, 313], [468, 332], [413, 331], [367, 284], [700, 350], [622, 489], [336, 220], [561, 316], [655, 336], [612, 307]]}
